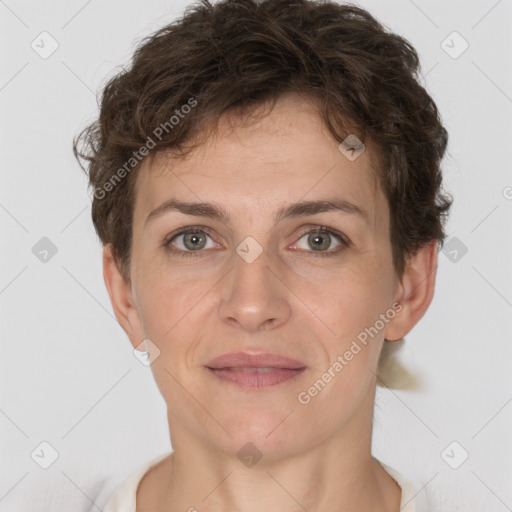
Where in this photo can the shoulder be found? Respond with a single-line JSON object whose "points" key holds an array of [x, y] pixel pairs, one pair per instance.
{"points": [[124, 496], [408, 502]]}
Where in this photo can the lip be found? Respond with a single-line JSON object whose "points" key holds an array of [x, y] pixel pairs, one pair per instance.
{"points": [[255, 360], [245, 370], [254, 379]]}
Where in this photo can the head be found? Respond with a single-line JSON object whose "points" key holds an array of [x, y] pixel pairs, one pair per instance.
{"points": [[231, 116]]}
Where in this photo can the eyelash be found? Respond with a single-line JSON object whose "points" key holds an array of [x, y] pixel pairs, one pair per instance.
{"points": [[345, 243]]}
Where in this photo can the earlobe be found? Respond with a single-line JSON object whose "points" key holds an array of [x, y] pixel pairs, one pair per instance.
{"points": [[415, 292], [120, 293]]}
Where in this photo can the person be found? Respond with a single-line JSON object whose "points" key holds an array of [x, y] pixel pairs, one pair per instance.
{"points": [[267, 188]]}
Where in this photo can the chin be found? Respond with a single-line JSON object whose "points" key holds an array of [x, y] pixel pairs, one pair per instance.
{"points": [[258, 435]]}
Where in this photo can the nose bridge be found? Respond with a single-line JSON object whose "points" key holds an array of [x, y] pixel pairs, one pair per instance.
{"points": [[253, 297]]}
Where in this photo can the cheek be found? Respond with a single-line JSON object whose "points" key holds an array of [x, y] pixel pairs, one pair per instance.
{"points": [[351, 330], [167, 304], [346, 302]]}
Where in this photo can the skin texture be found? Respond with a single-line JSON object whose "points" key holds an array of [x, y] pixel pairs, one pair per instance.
{"points": [[288, 301]]}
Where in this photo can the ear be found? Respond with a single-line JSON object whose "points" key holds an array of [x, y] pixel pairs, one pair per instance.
{"points": [[415, 291], [121, 297]]}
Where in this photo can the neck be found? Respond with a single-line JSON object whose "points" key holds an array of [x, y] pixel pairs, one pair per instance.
{"points": [[338, 474]]}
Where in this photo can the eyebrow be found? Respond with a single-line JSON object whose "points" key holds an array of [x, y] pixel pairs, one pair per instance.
{"points": [[300, 209]]}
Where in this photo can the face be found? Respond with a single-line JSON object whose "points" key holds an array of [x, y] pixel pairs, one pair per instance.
{"points": [[304, 284]]}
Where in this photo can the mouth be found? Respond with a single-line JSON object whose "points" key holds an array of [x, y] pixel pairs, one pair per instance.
{"points": [[254, 370]]}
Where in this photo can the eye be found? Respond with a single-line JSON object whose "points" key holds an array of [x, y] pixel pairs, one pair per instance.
{"points": [[320, 238], [188, 241]]}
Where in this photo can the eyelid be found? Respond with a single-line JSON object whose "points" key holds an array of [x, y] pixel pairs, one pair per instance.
{"points": [[186, 229], [323, 229]]}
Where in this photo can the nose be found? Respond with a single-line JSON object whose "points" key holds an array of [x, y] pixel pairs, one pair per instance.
{"points": [[254, 296]]}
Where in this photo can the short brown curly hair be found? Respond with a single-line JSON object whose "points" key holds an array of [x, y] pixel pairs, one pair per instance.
{"points": [[238, 54]]}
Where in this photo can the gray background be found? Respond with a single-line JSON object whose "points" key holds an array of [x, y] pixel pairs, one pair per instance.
{"points": [[68, 374]]}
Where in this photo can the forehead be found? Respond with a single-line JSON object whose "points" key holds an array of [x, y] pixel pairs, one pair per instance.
{"points": [[276, 158]]}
